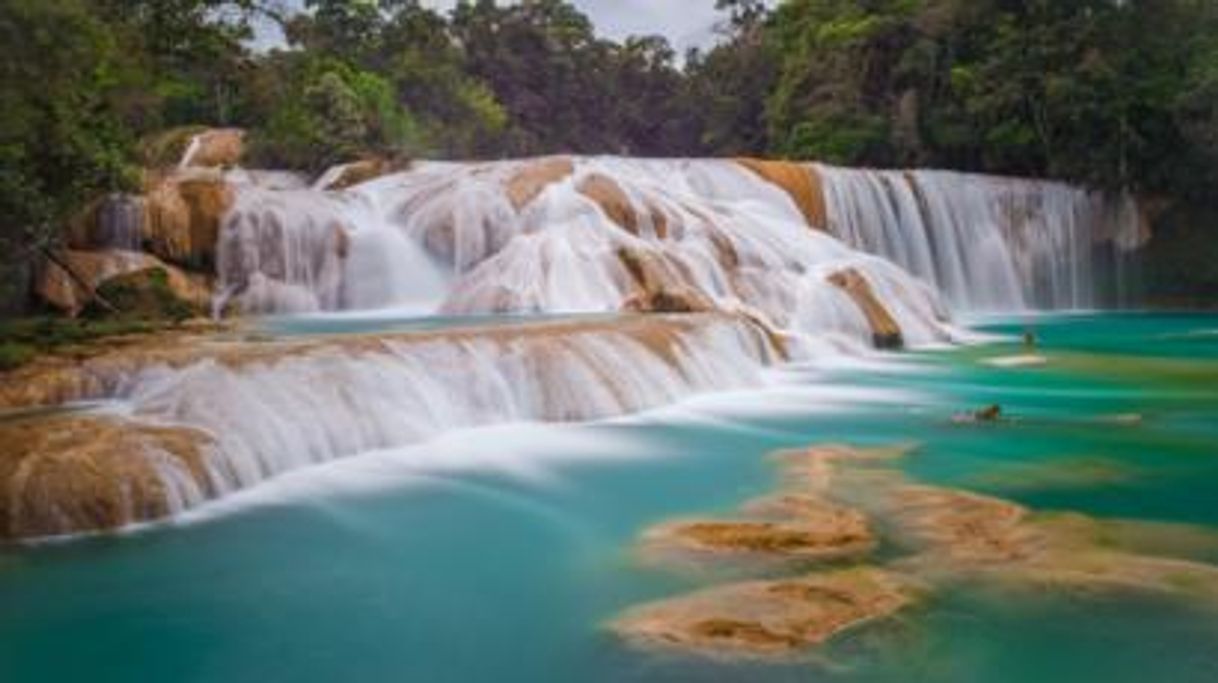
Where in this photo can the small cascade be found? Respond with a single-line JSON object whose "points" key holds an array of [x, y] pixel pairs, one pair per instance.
{"points": [[290, 249], [353, 397], [119, 221], [985, 243]]}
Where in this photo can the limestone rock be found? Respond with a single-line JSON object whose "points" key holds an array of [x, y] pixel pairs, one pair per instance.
{"points": [[94, 268], [183, 219], [68, 474], [800, 181], [534, 177], [358, 172], [214, 148], [768, 618], [885, 331], [617, 206]]}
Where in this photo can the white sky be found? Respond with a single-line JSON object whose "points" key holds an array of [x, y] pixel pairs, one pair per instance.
{"points": [[686, 23]]}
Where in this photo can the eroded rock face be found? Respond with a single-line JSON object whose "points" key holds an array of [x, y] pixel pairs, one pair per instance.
{"points": [[532, 178], [65, 474], [91, 270], [358, 172], [183, 219], [885, 330], [617, 206], [800, 181], [215, 148], [768, 618]]}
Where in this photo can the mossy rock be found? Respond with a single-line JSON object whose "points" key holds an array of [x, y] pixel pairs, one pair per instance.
{"points": [[142, 295], [164, 149]]}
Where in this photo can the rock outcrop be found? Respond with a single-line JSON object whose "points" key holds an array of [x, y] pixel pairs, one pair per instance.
{"points": [[358, 172], [800, 181], [617, 206], [534, 177], [767, 618], [183, 219], [66, 474], [885, 332], [214, 148], [72, 291]]}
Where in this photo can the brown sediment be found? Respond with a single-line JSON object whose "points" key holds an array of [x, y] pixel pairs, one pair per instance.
{"points": [[885, 332], [768, 618], [534, 177], [1063, 473], [801, 181], [64, 474]]}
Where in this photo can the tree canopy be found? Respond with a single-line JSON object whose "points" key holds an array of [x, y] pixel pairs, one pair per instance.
{"points": [[1113, 94]]}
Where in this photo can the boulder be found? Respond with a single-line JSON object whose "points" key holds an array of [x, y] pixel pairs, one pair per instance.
{"points": [[214, 148], [182, 219], [800, 181], [72, 291], [885, 332]]}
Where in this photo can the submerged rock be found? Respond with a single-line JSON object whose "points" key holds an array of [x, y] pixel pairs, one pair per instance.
{"points": [[768, 618], [827, 533]]}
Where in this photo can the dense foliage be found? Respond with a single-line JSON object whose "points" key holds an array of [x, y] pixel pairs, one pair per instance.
{"points": [[1116, 94]]}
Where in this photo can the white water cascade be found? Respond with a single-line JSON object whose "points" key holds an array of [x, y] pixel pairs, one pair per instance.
{"points": [[708, 229], [349, 397], [985, 243]]}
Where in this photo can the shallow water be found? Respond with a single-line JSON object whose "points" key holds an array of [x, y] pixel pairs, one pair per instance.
{"points": [[499, 553]]}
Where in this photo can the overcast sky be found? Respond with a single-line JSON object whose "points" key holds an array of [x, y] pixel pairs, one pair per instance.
{"points": [[686, 23]]}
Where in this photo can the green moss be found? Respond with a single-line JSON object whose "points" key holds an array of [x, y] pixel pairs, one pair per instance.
{"points": [[14, 354], [22, 339], [142, 295]]}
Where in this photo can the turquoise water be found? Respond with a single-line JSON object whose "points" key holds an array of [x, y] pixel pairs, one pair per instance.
{"points": [[509, 575]]}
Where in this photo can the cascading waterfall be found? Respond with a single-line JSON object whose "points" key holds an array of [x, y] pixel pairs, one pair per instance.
{"points": [[734, 242], [301, 409], [985, 243], [591, 239]]}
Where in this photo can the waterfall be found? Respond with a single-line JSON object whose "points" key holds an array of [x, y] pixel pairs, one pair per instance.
{"points": [[584, 235], [291, 249], [119, 218], [345, 398], [985, 243]]}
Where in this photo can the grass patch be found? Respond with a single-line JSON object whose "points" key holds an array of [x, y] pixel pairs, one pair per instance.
{"points": [[22, 339]]}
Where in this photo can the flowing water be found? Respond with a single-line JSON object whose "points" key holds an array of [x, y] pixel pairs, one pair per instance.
{"points": [[446, 478], [499, 553]]}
